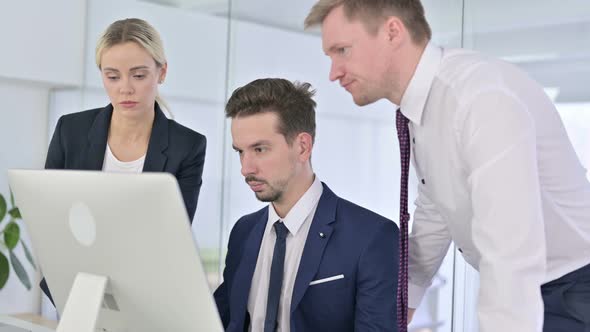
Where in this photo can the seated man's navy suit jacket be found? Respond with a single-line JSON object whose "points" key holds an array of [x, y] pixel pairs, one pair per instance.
{"points": [[357, 243]]}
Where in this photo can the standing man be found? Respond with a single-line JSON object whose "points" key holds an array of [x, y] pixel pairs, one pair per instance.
{"points": [[310, 260], [497, 173]]}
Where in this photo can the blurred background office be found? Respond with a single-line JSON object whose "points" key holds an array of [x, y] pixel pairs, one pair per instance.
{"points": [[47, 69]]}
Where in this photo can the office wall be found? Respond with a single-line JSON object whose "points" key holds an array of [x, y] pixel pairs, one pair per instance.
{"points": [[23, 136], [42, 41], [41, 49]]}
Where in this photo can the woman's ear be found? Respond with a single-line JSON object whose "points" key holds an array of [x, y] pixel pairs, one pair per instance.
{"points": [[162, 73]]}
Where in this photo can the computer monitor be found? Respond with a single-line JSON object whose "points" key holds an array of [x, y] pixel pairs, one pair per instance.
{"points": [[130, 228]]}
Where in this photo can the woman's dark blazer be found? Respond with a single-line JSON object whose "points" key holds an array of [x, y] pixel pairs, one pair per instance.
{"points": [[80, 141]]}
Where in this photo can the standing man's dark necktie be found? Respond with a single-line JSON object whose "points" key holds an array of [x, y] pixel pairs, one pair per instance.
{"points": [[403, 136], [276, 278]]}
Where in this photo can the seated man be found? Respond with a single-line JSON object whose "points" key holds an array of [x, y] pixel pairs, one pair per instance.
{"points": [[309, 261]]}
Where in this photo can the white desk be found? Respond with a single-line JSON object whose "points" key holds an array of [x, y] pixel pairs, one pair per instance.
{"points": [[26, 323]]}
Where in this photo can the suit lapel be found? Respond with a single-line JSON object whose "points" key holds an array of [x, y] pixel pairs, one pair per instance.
{"points": [[97, 140], [315, 244], [240, 289], [155, 159]]}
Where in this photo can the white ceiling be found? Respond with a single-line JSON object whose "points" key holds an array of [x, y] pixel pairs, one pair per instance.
{"points": [[446, 15], [544, 36]]}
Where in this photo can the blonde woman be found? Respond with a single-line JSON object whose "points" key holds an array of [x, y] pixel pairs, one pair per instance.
{"points": [[131, 134]]}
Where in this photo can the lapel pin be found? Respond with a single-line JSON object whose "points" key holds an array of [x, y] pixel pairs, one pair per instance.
{"points": [[322, 235]]}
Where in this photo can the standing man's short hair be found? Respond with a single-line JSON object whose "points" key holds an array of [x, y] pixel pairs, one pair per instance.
{"points": [[373, 12]]}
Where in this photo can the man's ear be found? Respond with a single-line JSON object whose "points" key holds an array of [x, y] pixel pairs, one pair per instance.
{"points": [[304, 143], [394, 29]]}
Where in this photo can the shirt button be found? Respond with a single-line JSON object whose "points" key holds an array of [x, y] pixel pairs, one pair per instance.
{"points": [[423, 182]]}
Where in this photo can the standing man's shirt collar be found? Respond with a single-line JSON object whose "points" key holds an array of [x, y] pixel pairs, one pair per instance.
{"points": [[299, 212], [416, 94]]}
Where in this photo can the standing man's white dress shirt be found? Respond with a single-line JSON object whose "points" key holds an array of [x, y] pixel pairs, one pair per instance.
{"points": [[499, 177], [298, 222]]}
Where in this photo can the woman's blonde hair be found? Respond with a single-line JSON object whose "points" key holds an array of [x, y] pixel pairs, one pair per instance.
{"points": [[140, 32]]}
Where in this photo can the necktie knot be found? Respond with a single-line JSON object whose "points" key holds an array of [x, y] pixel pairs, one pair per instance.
{"points": [[401, 122], [281, 230]]}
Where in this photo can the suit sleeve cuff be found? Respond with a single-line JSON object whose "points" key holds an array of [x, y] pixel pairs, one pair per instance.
{"points": [[415, 295]]}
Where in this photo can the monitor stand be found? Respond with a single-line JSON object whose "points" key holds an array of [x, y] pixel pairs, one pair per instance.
{"points": [[84, 301]]}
